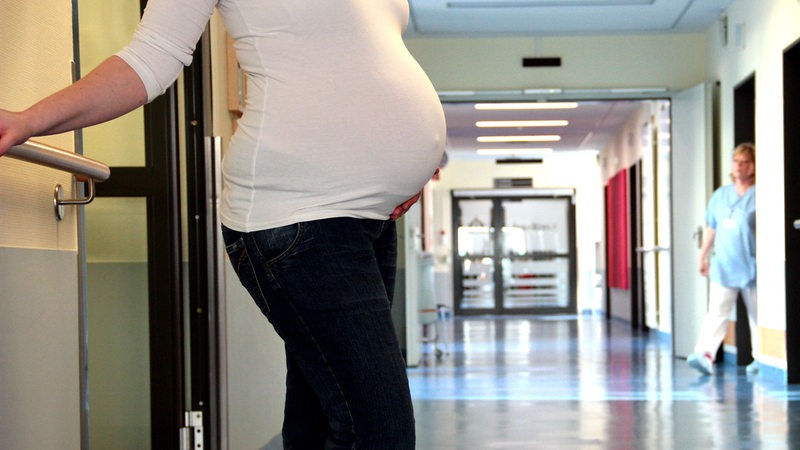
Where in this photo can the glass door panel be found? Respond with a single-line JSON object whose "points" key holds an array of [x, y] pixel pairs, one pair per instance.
{"points": [[536, 270], [117, 295], [476, 254], [118, 323], [649, 191], [478, 283], [105, 27], [663, 212], [529, 283], [135, 389]]}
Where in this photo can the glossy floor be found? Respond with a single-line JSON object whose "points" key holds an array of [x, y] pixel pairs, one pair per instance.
{"points": [[581, 382]]}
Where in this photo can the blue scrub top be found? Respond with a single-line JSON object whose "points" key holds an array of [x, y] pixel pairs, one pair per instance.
{"points": [[733, 218]]}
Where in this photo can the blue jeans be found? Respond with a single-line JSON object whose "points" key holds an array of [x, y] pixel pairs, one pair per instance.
{"points": [[326, 286]]}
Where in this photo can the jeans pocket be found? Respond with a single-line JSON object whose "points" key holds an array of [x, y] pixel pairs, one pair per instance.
{"points": [[237, 253], [275, 244], [243, 266]]}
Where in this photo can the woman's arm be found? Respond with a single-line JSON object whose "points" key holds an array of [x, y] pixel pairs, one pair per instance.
{"points": [[107, 92]]}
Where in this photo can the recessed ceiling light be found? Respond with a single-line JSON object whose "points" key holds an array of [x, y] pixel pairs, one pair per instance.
{"points": [[529, 138], [520, 123], [525, 105], [543, 3], [514, 151]]}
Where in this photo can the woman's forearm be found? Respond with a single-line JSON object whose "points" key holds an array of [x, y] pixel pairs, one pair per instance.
{"points": [[107, 92]]}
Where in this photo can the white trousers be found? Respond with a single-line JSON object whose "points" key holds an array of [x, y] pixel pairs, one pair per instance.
{"points": [[721, 301]]}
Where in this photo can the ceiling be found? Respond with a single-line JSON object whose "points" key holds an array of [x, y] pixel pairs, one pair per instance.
{"points": [[590, 125], [592, 122], [562, 17]]}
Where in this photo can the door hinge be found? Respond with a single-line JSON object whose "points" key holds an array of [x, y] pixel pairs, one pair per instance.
{"points": [[192, 433]]}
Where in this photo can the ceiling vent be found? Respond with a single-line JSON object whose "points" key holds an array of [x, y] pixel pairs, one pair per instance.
{"points": [[503, 183], [541, 62]]}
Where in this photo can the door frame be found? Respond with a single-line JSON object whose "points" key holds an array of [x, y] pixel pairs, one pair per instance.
{"points": [[691, 185], [791, 142], [183, 375], [638, 306], [204, 258], [497, 196], [744, 130], [157, 181]]}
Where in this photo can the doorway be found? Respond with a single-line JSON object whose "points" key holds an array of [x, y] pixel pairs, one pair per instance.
{"points": [[149, 291], [693, 143], [744, 130], [791, 180], [514, 251]]}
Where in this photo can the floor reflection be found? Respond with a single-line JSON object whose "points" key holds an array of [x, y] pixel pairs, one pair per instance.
{"points": [[572, 382]]}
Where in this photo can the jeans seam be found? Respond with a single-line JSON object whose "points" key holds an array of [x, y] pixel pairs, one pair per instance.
{"points": [[255, 274], [329, 370]]}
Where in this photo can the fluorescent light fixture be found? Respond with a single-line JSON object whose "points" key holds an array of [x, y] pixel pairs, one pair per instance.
{"points": [[637, 90], [540, 91], [514, 151], [521, 138], [525, 105], [520, 123], [456, 93], [543, 3]]}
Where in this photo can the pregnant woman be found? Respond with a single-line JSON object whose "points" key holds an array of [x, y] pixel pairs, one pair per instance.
{"points": [[341, 130]]}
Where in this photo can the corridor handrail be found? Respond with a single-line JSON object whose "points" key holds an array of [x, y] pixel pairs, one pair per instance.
{"points": [[45, 155], [83, 169]]}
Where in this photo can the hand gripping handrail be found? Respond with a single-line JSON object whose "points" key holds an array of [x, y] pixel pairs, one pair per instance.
{"points": [[85, 169]]}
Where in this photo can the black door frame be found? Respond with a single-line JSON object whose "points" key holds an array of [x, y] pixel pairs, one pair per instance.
{"points": [[638, 320], [744, 130], [203, 232], [157, 181], [791, 164]]}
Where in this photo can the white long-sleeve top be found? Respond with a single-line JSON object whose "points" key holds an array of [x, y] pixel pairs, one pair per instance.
{"points": [[339, 120]]}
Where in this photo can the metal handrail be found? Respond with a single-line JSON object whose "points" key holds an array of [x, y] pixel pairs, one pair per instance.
{"points": [[84, 169], [45, 155]]}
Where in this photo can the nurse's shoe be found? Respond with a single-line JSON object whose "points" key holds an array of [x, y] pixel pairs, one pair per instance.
{"points": [[752, 368], [701, 362]]}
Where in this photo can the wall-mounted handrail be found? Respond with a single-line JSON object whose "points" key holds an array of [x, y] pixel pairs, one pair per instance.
{"points": [[84, 169], [45, 155]]}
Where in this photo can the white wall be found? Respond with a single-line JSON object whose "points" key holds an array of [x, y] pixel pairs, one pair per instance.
{"points": [[769, 27], [256, 371], [595, 62], [39, 370]]}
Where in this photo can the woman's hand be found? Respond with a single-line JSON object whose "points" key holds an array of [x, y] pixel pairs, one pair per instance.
{"points": [[13, 130], [704, 267], [406, 205], [403, 208], [706, 249]]}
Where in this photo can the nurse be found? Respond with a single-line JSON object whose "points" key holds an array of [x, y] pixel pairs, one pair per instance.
{"points": [[728, 258]]}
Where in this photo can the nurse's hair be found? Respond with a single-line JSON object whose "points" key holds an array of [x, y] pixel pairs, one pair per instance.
{"points": [[745, 148]]}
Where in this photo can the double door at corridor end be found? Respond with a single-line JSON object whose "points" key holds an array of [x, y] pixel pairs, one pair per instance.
{"points": [[514, 251]]}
